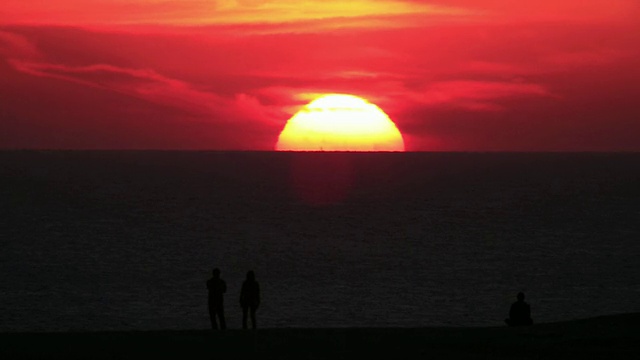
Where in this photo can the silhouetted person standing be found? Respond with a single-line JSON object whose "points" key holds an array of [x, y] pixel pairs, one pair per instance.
{"points": [[217, 287], [520, 313], [250, 299]]}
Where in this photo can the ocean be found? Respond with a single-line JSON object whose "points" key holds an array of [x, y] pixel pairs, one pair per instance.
{"points": [[125, 240]]}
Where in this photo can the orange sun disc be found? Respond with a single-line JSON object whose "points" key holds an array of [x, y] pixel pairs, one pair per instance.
{"points": [[337, 122]]}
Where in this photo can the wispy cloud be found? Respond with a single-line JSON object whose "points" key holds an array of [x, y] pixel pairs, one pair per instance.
{"points": [[477, 95], [151, 86], [221, 12], [16, 45]]}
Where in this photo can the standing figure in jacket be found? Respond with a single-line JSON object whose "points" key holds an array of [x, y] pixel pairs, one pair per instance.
{"points": [[217, 287], [250, 299]]}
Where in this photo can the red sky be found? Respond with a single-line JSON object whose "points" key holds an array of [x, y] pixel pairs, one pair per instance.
{"points": [[454, 75]]}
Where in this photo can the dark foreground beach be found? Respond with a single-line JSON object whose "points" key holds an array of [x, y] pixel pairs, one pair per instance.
{"points": [[610, 337]]}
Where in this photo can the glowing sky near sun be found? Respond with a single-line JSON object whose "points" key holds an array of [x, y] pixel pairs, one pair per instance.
{"points": [[195, 74]]}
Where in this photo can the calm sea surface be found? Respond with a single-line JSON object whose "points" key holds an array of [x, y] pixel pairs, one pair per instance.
{"points": [[126, 240]]}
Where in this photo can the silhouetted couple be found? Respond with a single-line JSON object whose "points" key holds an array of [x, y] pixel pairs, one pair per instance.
{"points": [[249, 299], [520, 313]]}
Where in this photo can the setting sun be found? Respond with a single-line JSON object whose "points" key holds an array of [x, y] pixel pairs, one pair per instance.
{"points": [[338, 122]]}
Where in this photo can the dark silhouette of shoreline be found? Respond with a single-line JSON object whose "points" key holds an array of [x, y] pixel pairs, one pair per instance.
{"points": [[607, 338]]}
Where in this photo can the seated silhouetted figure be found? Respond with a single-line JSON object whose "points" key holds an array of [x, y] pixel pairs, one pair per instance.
{"points": [[217, 287], [520, 313], [249, 299]]}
